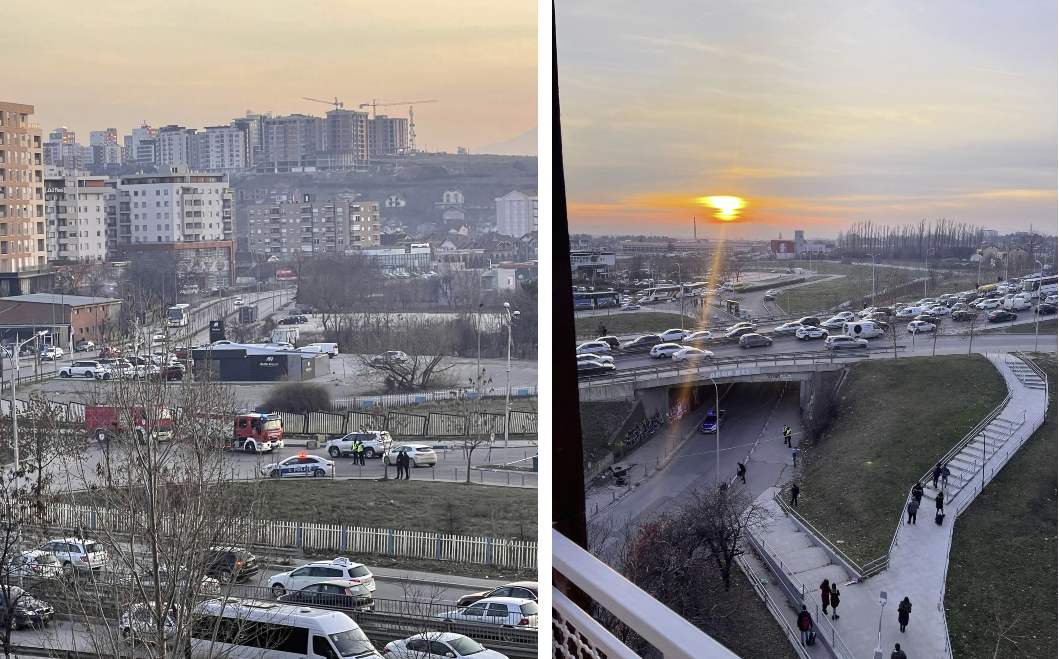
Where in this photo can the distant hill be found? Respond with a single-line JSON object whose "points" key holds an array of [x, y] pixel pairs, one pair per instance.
{"points": [[523, 145]]}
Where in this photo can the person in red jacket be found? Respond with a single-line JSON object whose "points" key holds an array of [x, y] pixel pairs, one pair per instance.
{"points": [[825, 594]]}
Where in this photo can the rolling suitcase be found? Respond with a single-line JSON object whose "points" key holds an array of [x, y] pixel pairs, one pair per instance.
{"points": [[939, 518], [812, 638]]}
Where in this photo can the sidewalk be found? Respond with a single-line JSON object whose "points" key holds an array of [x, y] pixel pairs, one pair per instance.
{"points": [[918, 563]]}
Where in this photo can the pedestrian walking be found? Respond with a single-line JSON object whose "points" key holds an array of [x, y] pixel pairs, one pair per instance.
{"points": [[917, 492], [904, 609], [402, 465], [794, 454], [834, 601], [794, 495], [937, 474], [741, 471], [825, 594], [945, 476], [805, 624], [898, 653], [913, 507]]}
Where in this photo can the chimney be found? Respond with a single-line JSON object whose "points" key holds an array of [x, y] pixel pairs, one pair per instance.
{"points": [[694, 229]]}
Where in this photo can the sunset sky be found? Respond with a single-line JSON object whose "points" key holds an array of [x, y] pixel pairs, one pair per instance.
{"points": [[816, 113], [114, 63]]}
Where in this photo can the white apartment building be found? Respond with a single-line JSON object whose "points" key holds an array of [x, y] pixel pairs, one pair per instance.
{"points": [[516, 213], [175, 205], [75, 212], [133, 150], [223, 149], [177, 145]]}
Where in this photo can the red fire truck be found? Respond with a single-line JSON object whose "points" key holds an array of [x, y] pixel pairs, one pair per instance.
{"points": [[105, 421], [257, 432]]}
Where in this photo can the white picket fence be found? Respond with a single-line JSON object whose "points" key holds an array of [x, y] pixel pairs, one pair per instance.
{"points": [[402, 400], [329, 537]]}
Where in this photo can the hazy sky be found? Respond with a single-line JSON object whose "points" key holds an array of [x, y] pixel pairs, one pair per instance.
{"points": [[818, 113], [115, 63]]}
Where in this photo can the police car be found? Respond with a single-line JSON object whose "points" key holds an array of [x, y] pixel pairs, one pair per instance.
{"points": [[306, 575], [299, 465]]}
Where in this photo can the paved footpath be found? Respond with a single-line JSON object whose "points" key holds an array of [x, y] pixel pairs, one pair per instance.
{"points": [[918, 563]]}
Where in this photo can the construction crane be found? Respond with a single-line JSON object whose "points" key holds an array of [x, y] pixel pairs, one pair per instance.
{"points": [[411, 115], [337, 103]]}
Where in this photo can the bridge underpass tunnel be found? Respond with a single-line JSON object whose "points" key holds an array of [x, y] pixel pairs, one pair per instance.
{"points": [[684, 400]]}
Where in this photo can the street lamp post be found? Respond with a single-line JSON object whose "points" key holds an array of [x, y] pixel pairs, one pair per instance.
{"points": [[479, 374], [872, 279], [511, 317], [717, 412], [680, 292], [1037, 310], [926, 268]]}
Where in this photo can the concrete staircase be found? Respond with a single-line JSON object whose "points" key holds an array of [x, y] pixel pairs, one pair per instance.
{"points": [[1026, 375], [968, 462]]}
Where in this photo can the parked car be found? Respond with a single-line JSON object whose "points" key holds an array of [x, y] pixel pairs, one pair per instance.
{"points": [[632, 306], [919, 326], [1001, 316], [698, 336], [989, 303], [593, 368], [844, 342], [140, 624], [77, 553], [644, 341], [940, 310], [376, 443], [50, 353], [834, 322], [229, 564], [927, 318], [389, 358], [611, 341], [963, 315], [593, 347], [299, 466], [23, 609], [789, 328], [711, 422], [809, 320], [85, 369], [440, 645], [322, 571], [806, 333], [691, 355], [589, 357], [36, 563], [753, 340], [519, 589], [738, 332], [663, 350], [338, 593], [504, 611], [84, 346], [1046, 308], [289, 320], [419, 455], [674, 334]]}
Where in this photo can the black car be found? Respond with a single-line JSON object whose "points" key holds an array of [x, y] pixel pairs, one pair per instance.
{"points": [[769, 298], [1046, 308], [289, 320], [960, 316], [301, 320], [927, 318], [737, 332], [1000, 316], [594, 368], [809, 320], [612, 341], [338, 593], [644, 341], [230, 564], [26, 610]]}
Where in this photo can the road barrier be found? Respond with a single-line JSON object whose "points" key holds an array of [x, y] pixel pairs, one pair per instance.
{"points": [[404, 400], [335, 538]]}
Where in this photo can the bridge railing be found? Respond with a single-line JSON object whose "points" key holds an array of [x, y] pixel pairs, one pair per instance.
{"points": [[576, 635]]}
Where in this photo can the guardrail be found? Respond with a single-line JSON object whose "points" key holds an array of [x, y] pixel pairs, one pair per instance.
{"points": [[815, 357], [851, 566], [1036, 369], [960, 445], [404, 400], [792, 634], [575, 634]]}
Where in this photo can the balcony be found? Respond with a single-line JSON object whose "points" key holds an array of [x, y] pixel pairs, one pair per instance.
{"points": [[576, 635]]}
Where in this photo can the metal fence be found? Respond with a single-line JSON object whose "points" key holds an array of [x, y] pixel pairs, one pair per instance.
{"points": [[404, 400], [331, 538]]}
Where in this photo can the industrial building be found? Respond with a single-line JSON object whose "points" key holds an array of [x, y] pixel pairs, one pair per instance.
{"points": [[251, 363]]}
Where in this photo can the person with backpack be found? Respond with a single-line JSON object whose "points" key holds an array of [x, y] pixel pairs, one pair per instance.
{"points": [[917, 492], [898, 653], [805, 624], [904, 609], [825, 594], [945, 476], [834, 601]]}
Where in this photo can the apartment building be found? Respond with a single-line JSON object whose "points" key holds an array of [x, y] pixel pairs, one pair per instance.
{"points": [[290, 143], [75, 212], [516, 213], [175, 205], [223, 149], [136, 151], [177, 145], [345, 141], [387, 136], [23, 255], [316, 228]]}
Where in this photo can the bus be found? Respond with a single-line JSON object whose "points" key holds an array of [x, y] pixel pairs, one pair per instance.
{"points": [[1041, 287], [178, 315], [984, 291], [599, 300], [660, 293]]}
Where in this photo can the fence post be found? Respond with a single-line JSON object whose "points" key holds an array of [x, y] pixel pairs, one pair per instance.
{"points": [[437, 550], [389, 543], [298, 534], [92, 519], [342, 542], [488, 551]]}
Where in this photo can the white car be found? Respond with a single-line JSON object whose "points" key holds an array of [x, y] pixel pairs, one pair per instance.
{"points": [[810, 332], [917, 326], [772, 291], [674, 334], [50, 353], [138, 623], [419, 455], [789, 328], [506, 611], [306, 575], [85, 369], [867, 312], [835, 322], [691, 355], [990, 303], [843, 342], [589, 357], [376, 443], [845, 315], [698, 336], [120, 369], [439, 645], [940, 310], [593, 347], [298, 466], [1051, 299], [36, 563], [663, 350], [632, 306], [77, 553]]}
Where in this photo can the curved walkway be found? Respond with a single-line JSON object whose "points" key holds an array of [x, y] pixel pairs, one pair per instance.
{"points": [[919, 560]]}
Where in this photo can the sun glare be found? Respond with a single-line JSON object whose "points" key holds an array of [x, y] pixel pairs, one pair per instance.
{"points": [[727, 207]]}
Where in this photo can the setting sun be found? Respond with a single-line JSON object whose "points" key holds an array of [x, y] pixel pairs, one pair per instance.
{"points": [[727, 207]]}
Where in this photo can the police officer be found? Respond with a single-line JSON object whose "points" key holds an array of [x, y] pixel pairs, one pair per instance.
{"points": [[786, 435], [360, 452]]}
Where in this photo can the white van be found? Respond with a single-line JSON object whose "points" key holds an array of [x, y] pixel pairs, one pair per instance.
{"points": [[329, 349], [1017, 302], [271, 630], [911, 312], [863, 329]]}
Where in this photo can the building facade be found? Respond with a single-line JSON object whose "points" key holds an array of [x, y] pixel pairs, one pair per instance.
{"points": [[224, 149], [208, 264], [23, 255], [516, 213], [177, 145], [68, 318], [387, 136], [76, 215], [133, 151], [284, 230], [345, 141], [290, 143], [174, 206]]}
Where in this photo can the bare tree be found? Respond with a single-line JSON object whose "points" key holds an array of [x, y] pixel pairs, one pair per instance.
{"points": [[974, 326], [426, 344]]}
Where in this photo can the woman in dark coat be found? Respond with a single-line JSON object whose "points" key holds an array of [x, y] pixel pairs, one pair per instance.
{"points": [[903, 609], [834, 601], [825, 594]]}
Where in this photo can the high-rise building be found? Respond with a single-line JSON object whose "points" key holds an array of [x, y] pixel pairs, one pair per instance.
{"points": [[75, 210], [133, 152], [177, 145], [345, 141], [22, 250], [317, 228], [290, 143], [103, 149], [62, 150], [174, 205], [516, 213], [223, 149], [387, 136], [253, 124]]}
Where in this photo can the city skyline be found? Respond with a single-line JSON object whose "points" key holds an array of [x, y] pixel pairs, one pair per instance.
{"points": [[112, 64], [814, 117]]}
